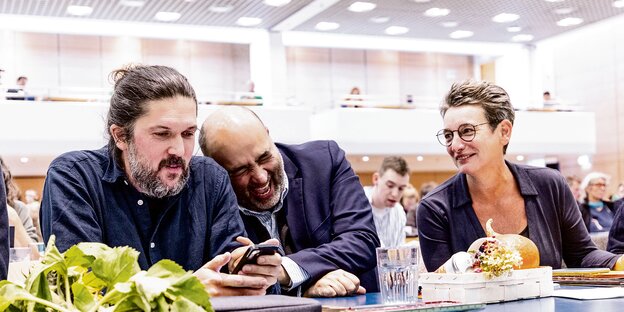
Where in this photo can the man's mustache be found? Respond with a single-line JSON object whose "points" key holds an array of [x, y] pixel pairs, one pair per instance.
{"points": [[172, 161]]}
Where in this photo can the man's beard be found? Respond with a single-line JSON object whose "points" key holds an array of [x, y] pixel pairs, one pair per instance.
{"points": [[277, 180], [148, 181]]}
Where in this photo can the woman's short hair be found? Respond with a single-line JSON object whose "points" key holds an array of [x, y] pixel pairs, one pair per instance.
{"points": [[493, 99]]}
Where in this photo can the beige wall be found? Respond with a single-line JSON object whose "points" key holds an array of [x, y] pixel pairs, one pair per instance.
{"points": [[321, 76], [53, 61], [588, 68]]}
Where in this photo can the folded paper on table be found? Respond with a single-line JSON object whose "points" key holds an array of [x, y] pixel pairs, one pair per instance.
{"points": [[590, 293]]}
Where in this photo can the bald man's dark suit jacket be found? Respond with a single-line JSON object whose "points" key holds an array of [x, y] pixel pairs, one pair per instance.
{"points": [[326, 222], [4, 231]]}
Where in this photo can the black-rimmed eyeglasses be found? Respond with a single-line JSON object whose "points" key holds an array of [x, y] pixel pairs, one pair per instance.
{"points": [[466, 132]]}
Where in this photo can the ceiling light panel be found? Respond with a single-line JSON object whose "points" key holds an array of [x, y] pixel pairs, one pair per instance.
{"points": [[79, 10], [326, 26], [277, 3], [437, 12], [570, 21], [132, 3], [396, 30], [505, 18], [247, 21], [461, 34], [360, 7], [164, 16]]}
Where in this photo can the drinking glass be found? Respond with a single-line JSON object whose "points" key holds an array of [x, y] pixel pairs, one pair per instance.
{"points": [[398, 274]]}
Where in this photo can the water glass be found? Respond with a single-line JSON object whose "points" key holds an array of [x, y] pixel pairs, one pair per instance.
{"points": [[398, 274], [19, 254]]}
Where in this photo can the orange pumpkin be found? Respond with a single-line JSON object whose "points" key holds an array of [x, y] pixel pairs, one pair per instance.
{"points": [[527, 249]]}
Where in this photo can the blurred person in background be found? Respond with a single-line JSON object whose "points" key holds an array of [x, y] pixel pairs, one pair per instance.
{"points": [[19, 215], [619, 193], [597, 212], [410, 201], [32, 202], [427, 187], [389, 182], [4, 231], [575, 187]]}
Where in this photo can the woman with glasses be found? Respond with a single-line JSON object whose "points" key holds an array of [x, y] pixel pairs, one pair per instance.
{"points": [[597, 213], [534, 202]]}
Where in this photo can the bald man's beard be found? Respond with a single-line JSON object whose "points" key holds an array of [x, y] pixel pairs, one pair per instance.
{"points": [[148, 181], [278, 184]]}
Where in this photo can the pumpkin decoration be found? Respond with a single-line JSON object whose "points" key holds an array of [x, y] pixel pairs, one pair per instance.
{"points": [[527, 249]]}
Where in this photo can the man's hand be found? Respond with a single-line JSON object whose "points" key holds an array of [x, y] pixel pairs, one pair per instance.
{"points": [[220, 284], [336, 283], [268, 267]]}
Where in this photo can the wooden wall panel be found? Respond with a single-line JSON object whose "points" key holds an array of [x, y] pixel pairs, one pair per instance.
{"points": [[117, 52], [37, 56], [383, 75], [591, 77], [348, 70], [27, 183], [77, 53], [310, 74]]}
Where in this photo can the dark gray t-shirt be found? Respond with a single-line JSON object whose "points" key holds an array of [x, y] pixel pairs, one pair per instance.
{"points": [[447, 222]]}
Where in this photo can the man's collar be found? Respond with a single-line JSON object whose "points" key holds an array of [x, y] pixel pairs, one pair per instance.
{"points": [[113, 170]]}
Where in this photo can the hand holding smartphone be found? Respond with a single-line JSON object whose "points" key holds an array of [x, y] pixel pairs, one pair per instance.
{"points": [[252, 254]]}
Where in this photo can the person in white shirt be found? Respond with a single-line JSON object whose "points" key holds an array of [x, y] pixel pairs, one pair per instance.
{"points": [[385, 195]]}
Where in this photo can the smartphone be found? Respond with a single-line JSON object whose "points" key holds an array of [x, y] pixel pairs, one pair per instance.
{"points": [[252, 254]]}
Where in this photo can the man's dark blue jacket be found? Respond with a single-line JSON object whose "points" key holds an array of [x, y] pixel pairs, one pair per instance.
{"points": [[328, 218]]}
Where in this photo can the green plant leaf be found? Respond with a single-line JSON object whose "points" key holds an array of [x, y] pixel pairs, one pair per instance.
{"points": [[36, 282], [83, 298], [185, 305], [189, 287], [116, 265], [150, 287], [84, 254], [132, 303]]}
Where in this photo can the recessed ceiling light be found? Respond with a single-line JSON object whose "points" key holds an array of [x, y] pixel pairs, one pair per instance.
{"points": [[421, 1], [449, 24], [325, 26], [248, 21], [522, 38], [554, 1], [564, 11], [79, 10], [221, 8], [362, 6], [618, 4], [569, 21], [460, 34], [24, 160], [380, 19], [365, 158], [420, 158], [132, 3], [396, 30], [514, 29], [505, 18], [167, 16], [276, 3], [519, 158], [436, 12]]}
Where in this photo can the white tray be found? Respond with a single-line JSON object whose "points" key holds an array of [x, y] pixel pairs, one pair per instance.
{"points": [[476, 288]]}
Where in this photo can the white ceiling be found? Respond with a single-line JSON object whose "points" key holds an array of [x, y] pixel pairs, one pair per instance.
{"points": [[536, 17]]}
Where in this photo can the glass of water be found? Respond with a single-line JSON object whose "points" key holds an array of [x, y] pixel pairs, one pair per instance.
{"points": [[398, 274]]}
